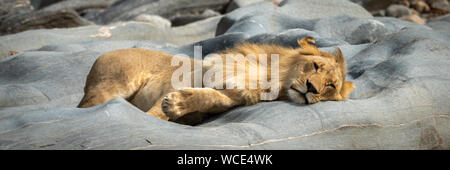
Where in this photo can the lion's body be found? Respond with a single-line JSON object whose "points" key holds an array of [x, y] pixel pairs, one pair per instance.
{"points": [[143, 77]]}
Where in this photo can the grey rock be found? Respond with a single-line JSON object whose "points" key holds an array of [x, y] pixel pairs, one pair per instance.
{"points": [[155, 20], [89, 10], [441, 24], [379, 13], [234, 4], [265, 17], [353, 31], [310, 9], [45, 3], [35, 39], [441, 5], [18, 95], [259, 21], [398, 11], [400, 70], [79, 5], [20, 15], [92, 14], [374, 5], [14, 7], [40, 20], [124, 10], [183, 19]]}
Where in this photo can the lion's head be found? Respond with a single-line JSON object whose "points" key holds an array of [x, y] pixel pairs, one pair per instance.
{"points": [[318, 75]]}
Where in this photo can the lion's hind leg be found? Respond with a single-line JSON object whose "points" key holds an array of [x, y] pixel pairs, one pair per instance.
{"points": [[94, 98], [102, 93]]}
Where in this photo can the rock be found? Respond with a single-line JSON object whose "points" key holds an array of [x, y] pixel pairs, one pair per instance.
{"points": [[353, 31], [184, 19], [155, 20], [400, 70], [403, 2], [92, 14], [374, 5], [379, 13], [41, 20], [441, 24], [87, 9], [414, 12], [4, 52], [45, 3], [35, 39], [443, 6], [433, 1], [287, 15], [124, 10], [413, 18], [14, 7], [210, 13], [18, 95], [421, 6], [398, 11], [79, 5], [309, 9], [234, 4]]}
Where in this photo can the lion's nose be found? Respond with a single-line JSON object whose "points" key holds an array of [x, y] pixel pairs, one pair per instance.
{"points": [[311, 87]]}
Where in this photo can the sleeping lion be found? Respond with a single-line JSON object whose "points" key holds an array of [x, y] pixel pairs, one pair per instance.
{"points": [[143, 77]]}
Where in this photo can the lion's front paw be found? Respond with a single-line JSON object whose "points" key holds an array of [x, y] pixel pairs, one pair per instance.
{"points": [[176, 104]]}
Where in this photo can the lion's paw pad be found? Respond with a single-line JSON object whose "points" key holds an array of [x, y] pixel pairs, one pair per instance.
{"points": [[175, 105]]}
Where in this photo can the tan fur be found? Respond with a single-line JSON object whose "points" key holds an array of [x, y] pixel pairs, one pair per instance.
{"points": [[143, 77], [14, 52]]}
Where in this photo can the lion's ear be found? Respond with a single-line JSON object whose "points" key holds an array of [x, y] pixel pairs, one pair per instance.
{"points": [[339, 56], [346, 89], [308, 46], [340, 60]]}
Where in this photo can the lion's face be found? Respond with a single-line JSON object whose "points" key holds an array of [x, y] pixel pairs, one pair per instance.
{"points": [[320, 77]]}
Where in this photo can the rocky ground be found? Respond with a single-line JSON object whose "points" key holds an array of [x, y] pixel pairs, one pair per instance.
{"points": [[21, 15], [417, 11], [400, 70]]}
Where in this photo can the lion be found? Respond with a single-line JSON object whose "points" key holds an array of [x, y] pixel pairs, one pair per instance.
{"points": [[306, 75]]}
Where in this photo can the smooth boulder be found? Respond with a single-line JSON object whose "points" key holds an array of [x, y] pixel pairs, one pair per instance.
{"points": [[400, 70]]}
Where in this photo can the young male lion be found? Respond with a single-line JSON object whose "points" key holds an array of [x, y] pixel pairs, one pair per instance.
{"points": [[143, 77]]}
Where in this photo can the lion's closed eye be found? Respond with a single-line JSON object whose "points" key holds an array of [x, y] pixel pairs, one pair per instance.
{"points": [[316, 66]]}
